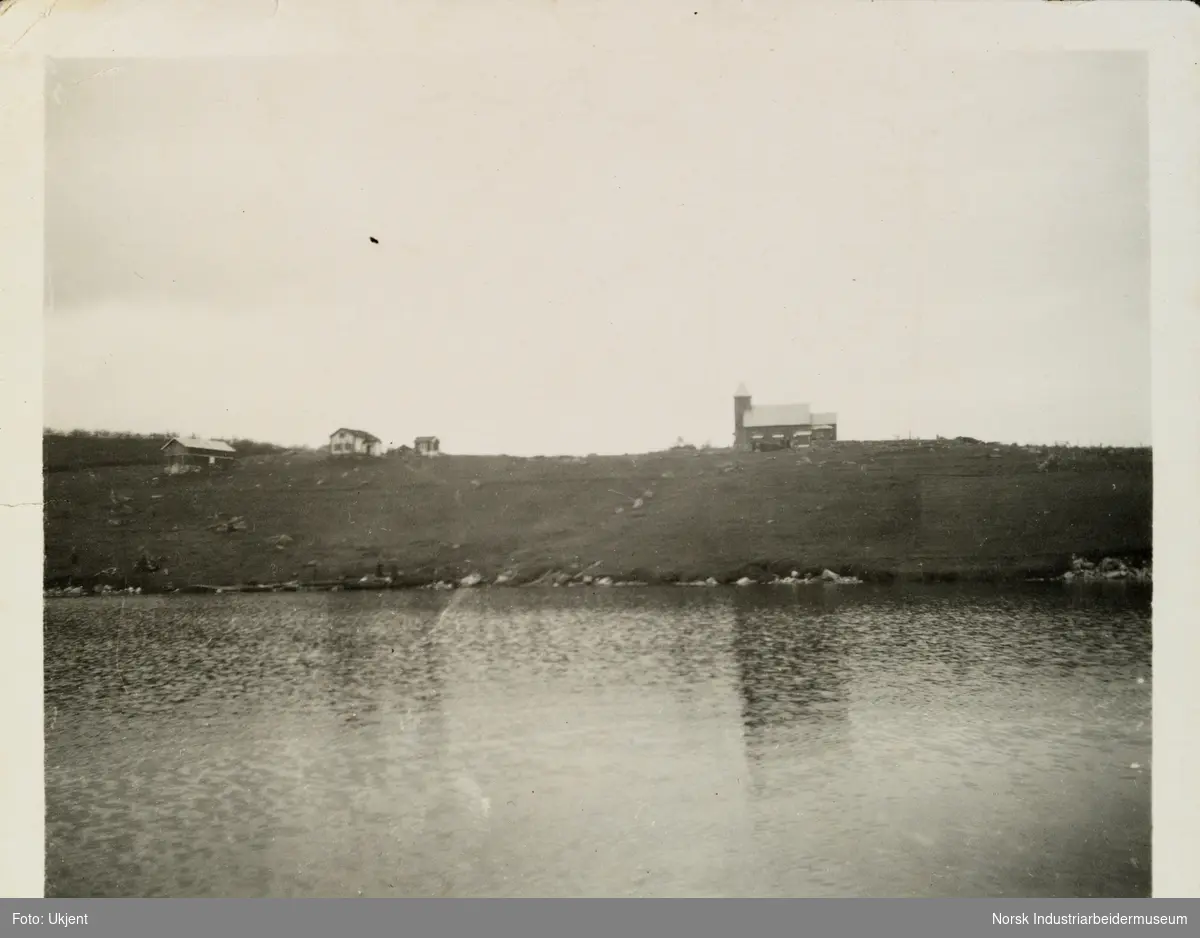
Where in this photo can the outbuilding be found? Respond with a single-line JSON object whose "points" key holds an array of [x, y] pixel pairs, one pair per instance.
{"points": [[195, 451]]}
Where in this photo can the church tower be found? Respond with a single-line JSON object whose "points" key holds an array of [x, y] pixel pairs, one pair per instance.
{"points": [[741, 404]]}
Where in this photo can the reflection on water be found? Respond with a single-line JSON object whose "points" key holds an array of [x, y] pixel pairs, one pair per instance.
{"points": [[919, 741]]}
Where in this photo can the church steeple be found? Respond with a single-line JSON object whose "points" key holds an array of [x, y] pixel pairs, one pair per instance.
{"points": [[741, 404]]}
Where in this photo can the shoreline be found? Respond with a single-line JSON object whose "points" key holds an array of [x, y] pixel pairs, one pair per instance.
{"points": [[1104, 570]]}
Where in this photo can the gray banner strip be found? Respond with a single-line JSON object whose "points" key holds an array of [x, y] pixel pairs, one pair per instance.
{"points": [[466, 918]]}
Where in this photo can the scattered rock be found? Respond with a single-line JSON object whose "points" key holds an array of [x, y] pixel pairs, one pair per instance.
{"points": [[147, 564], [1109, 568], [745, 581], [828, 576], [471, 579]]}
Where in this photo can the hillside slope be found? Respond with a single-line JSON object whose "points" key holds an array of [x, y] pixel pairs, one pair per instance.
{"points": [[83, 450], [876, 509]]}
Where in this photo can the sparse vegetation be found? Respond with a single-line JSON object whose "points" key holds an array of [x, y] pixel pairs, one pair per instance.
{"points": [[925, 509], [95, 449]]}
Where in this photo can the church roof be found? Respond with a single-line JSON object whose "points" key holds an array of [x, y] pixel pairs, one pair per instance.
{"points": [[741, 391], [778, 415]]}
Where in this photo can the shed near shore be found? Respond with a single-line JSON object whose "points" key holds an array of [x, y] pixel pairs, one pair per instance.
{"points": [[196, 451]]}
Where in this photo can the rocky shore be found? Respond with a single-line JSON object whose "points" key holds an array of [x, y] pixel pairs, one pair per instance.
{"points": [[1108, 568], [1104, 570]]}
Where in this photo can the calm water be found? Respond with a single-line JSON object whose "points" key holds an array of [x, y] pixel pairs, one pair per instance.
{"points": [[766, 741]]}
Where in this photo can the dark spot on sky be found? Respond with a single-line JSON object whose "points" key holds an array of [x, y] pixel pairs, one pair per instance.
{"points": [[374, 240]]}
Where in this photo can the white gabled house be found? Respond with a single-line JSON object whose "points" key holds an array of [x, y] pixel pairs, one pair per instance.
{"points": [[348, 442]]}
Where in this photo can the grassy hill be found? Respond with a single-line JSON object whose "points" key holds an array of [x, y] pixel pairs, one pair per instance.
{"points": [[928, 510], [80, 449]]}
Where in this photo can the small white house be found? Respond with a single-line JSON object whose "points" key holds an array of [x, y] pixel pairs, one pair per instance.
{"points": [[347, 442]]}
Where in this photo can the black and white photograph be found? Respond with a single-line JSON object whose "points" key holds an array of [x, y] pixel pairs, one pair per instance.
{"points": [[552, 468]]}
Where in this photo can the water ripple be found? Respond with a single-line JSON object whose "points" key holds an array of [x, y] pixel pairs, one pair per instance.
{"points": [[917, 741]]}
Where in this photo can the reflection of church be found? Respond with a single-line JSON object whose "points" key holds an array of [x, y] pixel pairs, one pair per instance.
{"points": [[791, 666], [797, 734]]}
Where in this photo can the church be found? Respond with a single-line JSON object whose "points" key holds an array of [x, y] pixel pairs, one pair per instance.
{"points": [[778, 426]]}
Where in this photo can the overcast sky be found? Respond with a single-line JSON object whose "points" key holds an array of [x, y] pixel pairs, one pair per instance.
{"points": [[584, 252]]}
